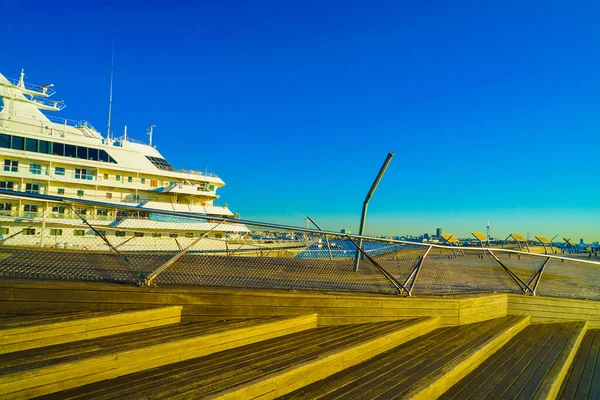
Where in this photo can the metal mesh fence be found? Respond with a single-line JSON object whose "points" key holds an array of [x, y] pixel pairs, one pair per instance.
{"points": [[75, 243]]}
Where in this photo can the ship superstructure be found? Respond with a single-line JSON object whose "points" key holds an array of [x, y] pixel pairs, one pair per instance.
{"points": [[72, 160]]}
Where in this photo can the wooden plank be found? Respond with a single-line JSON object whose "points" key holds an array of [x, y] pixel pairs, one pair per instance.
{"points": [[497, 366], [520, 375], [557, 373], [166, 346], [571, 384]]}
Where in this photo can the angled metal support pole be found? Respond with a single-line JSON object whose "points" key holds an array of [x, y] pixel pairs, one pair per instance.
{"points": [[128, 262], [399, 287], [326, 238], [522, 285], [150, 278], [538, 276], [363, 218], [415, 272]]}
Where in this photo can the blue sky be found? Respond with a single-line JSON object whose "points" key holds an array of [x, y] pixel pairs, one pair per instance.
{"points": [[490, 107]]}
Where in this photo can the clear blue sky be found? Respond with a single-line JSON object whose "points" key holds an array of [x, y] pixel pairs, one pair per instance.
{"points": [[492, 107]]}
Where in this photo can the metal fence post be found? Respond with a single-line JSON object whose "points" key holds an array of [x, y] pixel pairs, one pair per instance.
{"points": [[363, 218]]}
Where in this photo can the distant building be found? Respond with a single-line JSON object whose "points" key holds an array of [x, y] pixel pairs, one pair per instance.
{"points": [[426, 236], [345, 231], [438, 232], [581, 241]]}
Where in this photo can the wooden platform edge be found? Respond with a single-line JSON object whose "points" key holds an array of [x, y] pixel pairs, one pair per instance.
{"points": [[553, 382], [60, 377], [295, 377], [459, 370]]}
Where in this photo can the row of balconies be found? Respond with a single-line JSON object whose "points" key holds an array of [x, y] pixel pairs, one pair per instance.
{"points": [[89, 176]]}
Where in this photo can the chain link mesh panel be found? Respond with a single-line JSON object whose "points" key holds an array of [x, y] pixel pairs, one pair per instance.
{"points": [[160, 248]]}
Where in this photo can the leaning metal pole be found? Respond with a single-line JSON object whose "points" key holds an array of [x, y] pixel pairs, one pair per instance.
{"points": [[363, 218]]}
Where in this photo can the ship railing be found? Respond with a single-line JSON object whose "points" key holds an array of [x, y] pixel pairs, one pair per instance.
{"points": [[42, 90], [131, 139], [71, 122], [48, 104], [177, 248], [197, 172]]}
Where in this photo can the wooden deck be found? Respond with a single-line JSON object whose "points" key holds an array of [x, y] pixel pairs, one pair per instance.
{"points": [[583, 379], [530, 366], [251, 366], [412, 369]]}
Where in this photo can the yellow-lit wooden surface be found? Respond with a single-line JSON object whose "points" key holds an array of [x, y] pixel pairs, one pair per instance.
{"points": [[532, 365], [422, 368], [583, 378], [262, 369], [70, 365], [22, 333]]}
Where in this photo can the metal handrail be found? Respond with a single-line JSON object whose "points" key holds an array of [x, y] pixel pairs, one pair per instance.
{"points": [[43, 197]]}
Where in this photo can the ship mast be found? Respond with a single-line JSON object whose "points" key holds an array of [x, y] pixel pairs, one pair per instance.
{"points": [[112, 67]]}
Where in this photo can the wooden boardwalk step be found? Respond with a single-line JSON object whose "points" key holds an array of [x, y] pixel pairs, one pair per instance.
{"points": [[422, 368], [30, 332], [583, 379], [532, 365], [70, 365], [267, 369]]}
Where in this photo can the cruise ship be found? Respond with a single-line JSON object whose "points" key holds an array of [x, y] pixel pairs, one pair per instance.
{"points": [[42, 154]]}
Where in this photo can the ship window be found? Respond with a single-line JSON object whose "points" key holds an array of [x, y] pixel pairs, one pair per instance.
{"points": [[189, 235], [3, 231], [120, 233], [129, 179], [103, 156], [59, 171], [61, 191], [161, 163], [93, 154], [5, 207], [79, 232], [29, 231], [18, 143], [105, 177], [7, 185], [143, 180], [45, 147], [11, 165], [109, 195], [58, 209], [173, 235], [82, 152], [154, 183], [102, 211], [32, 187], [31, 145], [35, 169], [55, 232], [58, 149], [70, 150], [80, 193], [84, 173], [30, 208], [138, 234], [156, 234], [4, 141], [117, 177], [81, 210], [100, 232]]}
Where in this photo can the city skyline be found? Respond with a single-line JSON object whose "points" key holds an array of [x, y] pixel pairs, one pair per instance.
{"points": [[491, 109]]}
